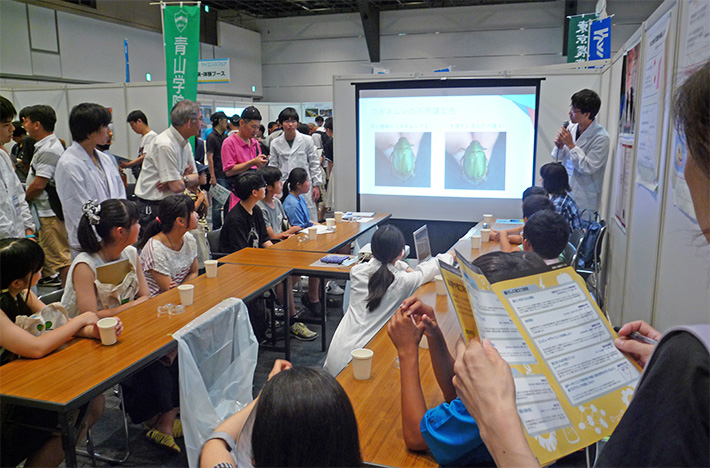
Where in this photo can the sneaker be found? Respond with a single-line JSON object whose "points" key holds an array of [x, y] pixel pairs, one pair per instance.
{"points": [[310, 309], [50, 281], [302, 332], [332, 288]]}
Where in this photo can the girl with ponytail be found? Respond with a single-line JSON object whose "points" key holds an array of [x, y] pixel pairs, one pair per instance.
{"points": [[377, 288], [106, 233], [296, 187]]}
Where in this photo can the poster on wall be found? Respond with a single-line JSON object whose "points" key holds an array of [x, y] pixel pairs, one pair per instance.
{"points": [[694, 51], [629, 85], [625, 155], [311, 110], [652, 97]]}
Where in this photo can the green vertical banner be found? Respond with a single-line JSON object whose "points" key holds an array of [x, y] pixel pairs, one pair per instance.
{"points": [[578, 39], [181, 36]]}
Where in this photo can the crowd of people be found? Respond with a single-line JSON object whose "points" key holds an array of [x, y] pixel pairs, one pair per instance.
{"points": [[73, 216]]}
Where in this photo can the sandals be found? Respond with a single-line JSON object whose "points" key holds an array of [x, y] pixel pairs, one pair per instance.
{"points": [[163, 440], [177, 428]]}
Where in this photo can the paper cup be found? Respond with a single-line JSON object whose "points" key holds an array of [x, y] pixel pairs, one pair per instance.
{"points": [[338, 216], [440, 285], [488, 218], [211, 268], [107, 330], [186, 294], [312, 233], [362, 363], [476, 241], [485, 235], [330, 222]]}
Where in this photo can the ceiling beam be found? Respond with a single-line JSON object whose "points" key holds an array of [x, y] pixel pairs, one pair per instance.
{"points": [[370, 16]]}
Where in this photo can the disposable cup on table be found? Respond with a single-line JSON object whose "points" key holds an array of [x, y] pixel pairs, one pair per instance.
{"points": [[362, 363], [440, 285], [488, 218], [107, 330], [476, 241], [485, 235], [312, 233], [187, 292], [338, 216], [330, 223], [211, 268]]}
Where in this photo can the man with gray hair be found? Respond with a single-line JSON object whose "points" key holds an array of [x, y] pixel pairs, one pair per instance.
{"points": [[169, 166]]}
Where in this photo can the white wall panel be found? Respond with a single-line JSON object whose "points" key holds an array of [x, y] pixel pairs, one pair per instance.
{"points": [[46, 64], [15, 39]]}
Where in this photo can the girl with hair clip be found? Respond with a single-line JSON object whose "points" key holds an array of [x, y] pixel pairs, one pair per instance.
{"points": [[169, 257], [296, 187], [377, 288], [22, 261], [107, 232], [302, 417]]}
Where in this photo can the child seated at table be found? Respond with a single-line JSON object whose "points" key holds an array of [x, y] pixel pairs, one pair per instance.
{"points": [[556, 181], [546, 233], [244, 226], [514, 234], [275, 218], [302, 417], [531, 205], [297, 187], [22, 261], [377, 288], [169, 256], [106, 233], [448, 430]]}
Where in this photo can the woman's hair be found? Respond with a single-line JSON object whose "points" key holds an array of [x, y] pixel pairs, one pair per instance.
{"points": [[18, 259], [170, 209], [555, 179], [497, 266], [297, 176], [387, 244], [691, 110], [98, 220], [304, 418]]}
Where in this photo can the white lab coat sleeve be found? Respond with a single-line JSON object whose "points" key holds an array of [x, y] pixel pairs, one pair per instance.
{"points": [[72, 190], [425, 272], [15, 201], [594, 158], [314, 166]]}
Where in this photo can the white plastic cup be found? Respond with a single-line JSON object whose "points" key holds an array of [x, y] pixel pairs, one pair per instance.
{"points": [[330, 222], [362, 363], [476, 241], [211, 268], [488, 218], [312, 233], [107, 330], [440, 285], [338, 216], [186, 294], [485, 235]]}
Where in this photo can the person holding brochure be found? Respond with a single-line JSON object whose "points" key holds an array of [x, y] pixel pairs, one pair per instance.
{"points": [[376, 289], [666, 423], [448, 430], [107, 232]]}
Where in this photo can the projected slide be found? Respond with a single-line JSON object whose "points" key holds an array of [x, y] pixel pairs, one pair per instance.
{"points": [[445, 142]]}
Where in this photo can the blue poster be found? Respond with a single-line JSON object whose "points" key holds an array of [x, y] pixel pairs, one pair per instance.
{"points": [[600, 39]]}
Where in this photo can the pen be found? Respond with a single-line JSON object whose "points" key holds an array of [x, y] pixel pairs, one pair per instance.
{"points": [[638, 337]]}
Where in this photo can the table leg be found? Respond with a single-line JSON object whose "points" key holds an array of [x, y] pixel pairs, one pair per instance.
{"points": [[68, 438], [287, 317], [322, 314]]}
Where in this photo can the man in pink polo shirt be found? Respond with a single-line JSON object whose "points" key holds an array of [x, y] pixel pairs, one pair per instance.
{"points": [[241, 150]]}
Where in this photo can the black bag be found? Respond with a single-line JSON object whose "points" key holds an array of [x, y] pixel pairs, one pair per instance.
{"points": [[54, 202], [592, 226]]}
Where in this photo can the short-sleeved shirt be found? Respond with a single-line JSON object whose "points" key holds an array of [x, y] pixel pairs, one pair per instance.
{"points": [[168, 157], [237, 151], [164, 260], [275, 217], [565, 205], [146, 141], [241, 230], [328, 150], [297, 211], [44, 164], [453, 436], [214, 146]]}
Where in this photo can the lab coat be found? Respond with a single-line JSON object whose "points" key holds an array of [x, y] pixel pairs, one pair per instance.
{"points": [[79, 180], [359, 325], [586, 163], [15, 214]]}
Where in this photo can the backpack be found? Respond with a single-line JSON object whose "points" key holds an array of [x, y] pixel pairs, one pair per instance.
{"points": [[592, 225]]}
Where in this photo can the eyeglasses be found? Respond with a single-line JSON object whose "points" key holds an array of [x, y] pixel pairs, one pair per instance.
{"points": [[574, 110]]}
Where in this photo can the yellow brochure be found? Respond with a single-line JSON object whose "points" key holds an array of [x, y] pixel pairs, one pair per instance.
{"points": [[572, 384], [459, 297]]}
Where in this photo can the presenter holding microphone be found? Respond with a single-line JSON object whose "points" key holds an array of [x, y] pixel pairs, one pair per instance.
{"points": [[583, 147]]}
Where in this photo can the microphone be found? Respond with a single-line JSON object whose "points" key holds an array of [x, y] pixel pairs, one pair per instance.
{"points": [[565, 124]]}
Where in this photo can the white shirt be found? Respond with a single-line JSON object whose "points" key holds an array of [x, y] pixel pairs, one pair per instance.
{"points": [[44, 164], [79, 180], [146, 141], [359, 325], [166, 160], [15, 214], [587, 162], [302, 153]]}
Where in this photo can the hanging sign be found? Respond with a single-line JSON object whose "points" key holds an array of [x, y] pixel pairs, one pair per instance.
{"points": [[600, 39], [578, 39], [181, 36]]}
